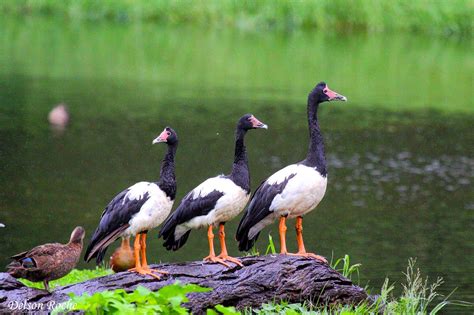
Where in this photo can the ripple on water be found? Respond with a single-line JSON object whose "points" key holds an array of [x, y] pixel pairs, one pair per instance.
{"points": [[410, 176]]}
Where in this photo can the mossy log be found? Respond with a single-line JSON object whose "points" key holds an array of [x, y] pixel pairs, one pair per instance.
{"points": [[262, 279]]}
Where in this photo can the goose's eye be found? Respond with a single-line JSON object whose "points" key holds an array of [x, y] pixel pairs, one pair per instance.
{"points": [[168, 133], [325, 91]]}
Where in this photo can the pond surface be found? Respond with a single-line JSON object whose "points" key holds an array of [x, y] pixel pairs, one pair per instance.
{"points": [[400, 151]]}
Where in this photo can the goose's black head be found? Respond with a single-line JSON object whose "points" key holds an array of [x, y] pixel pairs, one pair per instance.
{"points": [[322, 93], [248, 121], [168, 135]]}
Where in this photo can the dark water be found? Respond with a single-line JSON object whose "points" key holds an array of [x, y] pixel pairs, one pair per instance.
{"points": [[400, 152]]}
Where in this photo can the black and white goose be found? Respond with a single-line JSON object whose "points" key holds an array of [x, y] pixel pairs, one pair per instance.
{"points": [[215, 201], [137, 209], [294, 190]]}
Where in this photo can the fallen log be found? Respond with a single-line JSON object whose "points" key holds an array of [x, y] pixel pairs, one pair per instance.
{"points": [[262, 279]]}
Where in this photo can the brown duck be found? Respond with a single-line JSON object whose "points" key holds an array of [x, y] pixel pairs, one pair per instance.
{"points": [[49, 261], [122, 259]]}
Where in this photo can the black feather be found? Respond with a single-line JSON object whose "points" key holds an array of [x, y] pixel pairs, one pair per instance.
{"points": [[115, 217], [188, 209], [258, 209]]}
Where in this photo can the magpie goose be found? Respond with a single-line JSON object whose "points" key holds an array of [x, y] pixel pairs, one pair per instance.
{"points": [[215, 201], [294, 190], [138, 209]]}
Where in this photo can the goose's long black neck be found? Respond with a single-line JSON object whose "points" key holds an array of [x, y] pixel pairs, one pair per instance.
{"points": [[167, 181], [240, 170], [315, 157]]}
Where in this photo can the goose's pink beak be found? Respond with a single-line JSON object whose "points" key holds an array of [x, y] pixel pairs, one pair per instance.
{"points": [[163, 137], [333, 96], [257, 123]]}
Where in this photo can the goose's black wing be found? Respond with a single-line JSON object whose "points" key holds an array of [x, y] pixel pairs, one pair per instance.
{"points": [[188, 209], [114, 221], [257, 210]]}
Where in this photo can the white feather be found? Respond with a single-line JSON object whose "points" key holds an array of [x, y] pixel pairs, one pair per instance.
{"points": [[227, 207], [302, 193], [153, 212], [137, 191], [219, 183]]}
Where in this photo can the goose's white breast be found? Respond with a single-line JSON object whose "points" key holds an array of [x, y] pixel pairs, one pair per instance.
{"points": [[153, 212], [227, 207], [302, 193]]}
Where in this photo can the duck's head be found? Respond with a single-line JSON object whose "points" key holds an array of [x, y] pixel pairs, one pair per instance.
{"points": [[168, 136], [249, 121], [77, 235], [322, 93]]}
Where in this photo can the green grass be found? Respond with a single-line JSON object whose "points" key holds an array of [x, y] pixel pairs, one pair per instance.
{"points": [[75, 276], [419, 296], [271, 248], [441, 17], [347, 269]]}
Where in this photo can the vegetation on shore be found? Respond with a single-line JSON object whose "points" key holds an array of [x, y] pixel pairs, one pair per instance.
{"points": [[419, 296], [167, 300], [75, 276], [441, 17]]}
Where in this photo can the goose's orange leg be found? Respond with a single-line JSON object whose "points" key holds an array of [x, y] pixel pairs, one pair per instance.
{"points": [[224, 255], [301, 248], [212, 255], [137, 249], [143, 254], [282, 231]]}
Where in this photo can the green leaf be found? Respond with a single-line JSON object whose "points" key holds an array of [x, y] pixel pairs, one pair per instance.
{"points": [[227, 310], [210, 311], [167, 300]]}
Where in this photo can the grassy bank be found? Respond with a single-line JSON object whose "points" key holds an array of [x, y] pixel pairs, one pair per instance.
{"points": [[418, 296], [440, 17], [75, 276]]}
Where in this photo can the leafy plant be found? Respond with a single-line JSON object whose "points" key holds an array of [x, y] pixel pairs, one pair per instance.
{"points": [[166, 300], [220, 309], [283, 308], [75, 276]]}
